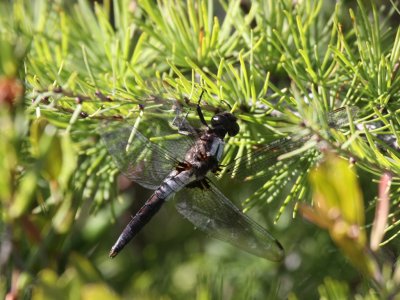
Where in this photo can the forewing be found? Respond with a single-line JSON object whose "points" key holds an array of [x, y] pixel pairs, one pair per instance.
{"points": [[209, 210], [262, 157], [260, 160], [139, 159], [182, 124]]}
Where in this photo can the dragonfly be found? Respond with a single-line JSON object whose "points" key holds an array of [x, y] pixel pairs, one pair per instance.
{"points": [[184, 167], [188, 164]]}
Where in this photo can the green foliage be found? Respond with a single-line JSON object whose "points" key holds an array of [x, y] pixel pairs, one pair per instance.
{"points": [[283, 67]]}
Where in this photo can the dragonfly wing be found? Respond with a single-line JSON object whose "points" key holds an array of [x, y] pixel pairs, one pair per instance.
{"points": [[139, 159], [260, 159], [208, 209], [182, 124]]}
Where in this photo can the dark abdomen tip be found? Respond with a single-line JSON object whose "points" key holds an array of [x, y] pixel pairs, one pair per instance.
{"points": [[113, 253]]}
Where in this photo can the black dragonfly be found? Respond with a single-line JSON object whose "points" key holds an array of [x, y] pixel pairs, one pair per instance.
{"points": [[171, 165]]}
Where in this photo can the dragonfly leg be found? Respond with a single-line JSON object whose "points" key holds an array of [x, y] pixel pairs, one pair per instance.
{"points": [[199, 111]]}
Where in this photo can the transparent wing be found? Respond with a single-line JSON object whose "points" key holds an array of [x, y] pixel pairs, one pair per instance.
{"points": [[184, 127], [261, 157], [208, 209], [138, 158]]}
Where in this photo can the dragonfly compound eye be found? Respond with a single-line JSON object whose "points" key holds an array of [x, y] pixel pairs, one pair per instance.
{"points": [[225, 121]]}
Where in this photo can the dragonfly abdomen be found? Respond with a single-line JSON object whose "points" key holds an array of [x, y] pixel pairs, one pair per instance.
{"points": [[174, 182], [142, 217]]}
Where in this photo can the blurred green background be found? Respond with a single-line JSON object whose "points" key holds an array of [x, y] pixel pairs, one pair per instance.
{"points": [[66, 66]]}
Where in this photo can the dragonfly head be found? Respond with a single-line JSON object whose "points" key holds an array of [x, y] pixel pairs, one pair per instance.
{"points": [[223, 123]]}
